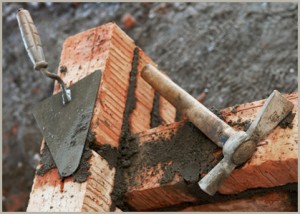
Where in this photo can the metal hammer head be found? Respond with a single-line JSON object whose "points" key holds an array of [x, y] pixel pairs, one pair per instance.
{"points": [[238, 146]]}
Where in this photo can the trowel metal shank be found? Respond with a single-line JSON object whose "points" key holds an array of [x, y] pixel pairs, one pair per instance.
{"points": [[65, 127]]}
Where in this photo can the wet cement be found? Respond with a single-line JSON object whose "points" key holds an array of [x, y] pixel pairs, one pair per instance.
{"points": [[287, 121], [156, 119], [82, 172], [47, 162], [125, 150], [107, 152], [178, 116], [188, 153], [243, 125]]}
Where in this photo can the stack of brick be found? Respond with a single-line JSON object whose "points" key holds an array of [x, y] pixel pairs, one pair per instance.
{"points": [[139, 166]]}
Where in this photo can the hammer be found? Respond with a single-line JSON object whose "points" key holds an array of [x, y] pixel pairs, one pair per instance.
{"points": [[238, 146]]}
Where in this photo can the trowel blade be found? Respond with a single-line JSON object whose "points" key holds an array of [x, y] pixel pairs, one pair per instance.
{"points": [[65, 127]]}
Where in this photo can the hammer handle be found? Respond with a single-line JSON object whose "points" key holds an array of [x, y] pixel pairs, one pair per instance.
{"points": [[211, 125]]}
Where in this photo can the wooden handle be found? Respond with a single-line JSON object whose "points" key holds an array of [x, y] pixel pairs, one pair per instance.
{"points": [[212, 126], [33, 45], [31, 39]]}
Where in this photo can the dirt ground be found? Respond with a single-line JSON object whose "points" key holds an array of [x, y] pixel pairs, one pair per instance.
{"points": [[238, 52]]}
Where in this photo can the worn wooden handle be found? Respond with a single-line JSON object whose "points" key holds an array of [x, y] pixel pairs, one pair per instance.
{"points": [[31, 39], [212, 126]]}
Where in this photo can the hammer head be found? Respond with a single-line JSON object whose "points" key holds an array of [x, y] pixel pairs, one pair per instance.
{"points": [[240, 146]]}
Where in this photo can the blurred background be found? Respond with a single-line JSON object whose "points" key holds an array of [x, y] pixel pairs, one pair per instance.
{"points": [[236, 52]]}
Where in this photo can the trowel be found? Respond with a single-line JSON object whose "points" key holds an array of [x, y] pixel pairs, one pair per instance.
{"points": [[64, 118]]}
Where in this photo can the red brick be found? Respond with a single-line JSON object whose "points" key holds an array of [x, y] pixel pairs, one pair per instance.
{"points": [[270, 202], [273, 164], [109, 49]]}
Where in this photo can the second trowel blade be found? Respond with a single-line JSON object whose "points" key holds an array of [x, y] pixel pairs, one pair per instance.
{"points": [[65, 127]]}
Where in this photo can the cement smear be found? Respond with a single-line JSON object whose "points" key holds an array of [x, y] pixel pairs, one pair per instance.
{"points": [[287, 121], [46, 161], [155, 116], [124, 152], [82, 172], [188, 153]]}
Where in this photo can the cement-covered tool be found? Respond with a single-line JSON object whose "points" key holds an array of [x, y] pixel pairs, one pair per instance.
{"points": [[64, 122], [238, 146]]}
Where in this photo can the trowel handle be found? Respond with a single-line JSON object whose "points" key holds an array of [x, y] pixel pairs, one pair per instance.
{"points": [[211, 125], [31, 39], [33, 45]]}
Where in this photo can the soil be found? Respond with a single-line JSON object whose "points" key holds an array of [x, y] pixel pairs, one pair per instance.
{"points": [[237, 52]]}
